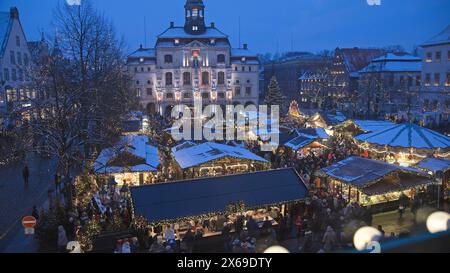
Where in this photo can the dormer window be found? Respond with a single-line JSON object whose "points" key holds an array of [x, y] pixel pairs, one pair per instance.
{"points": [[213, 41], [195, 28], [244, 59], [141, 60], [177, 41]]}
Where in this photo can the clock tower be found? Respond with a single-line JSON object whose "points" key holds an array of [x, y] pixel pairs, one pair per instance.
{"points": [[195, 17]]}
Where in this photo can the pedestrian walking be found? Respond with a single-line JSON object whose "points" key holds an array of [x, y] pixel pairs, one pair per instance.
{"points": [[26, 174], [62, 239]]}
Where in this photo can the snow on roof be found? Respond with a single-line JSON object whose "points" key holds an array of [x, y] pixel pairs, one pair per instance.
{"points": [[434, 164], [135, 145], [373, 125], [242, 52], [360, 171], [143, 53], [299, 142], [208, 151], [179, 32], [5, 25], [441, 38], [394, 63], [407, 135], [312, 132]]}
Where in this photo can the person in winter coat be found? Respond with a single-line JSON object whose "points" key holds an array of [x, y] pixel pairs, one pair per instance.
{"points": [[62, 239], [329, 239]]}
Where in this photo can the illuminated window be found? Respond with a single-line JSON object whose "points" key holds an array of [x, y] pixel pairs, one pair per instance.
{"points": [[437, 79], [205, 78], [447, 81], [427, 79], [177, 41], [195, 12]]}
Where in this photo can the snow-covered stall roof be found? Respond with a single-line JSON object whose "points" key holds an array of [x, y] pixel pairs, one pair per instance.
{"points": [[299, 142], [373, 125], [208, 151], [360, 171], [313, 132], [407, 135], [434, 164], [135, 145]]}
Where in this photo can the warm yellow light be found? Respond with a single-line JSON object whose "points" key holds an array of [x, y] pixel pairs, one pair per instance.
{"points": [[438, 222]]}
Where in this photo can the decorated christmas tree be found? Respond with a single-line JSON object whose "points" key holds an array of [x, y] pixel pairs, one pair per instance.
{"points": [[274, 96]]}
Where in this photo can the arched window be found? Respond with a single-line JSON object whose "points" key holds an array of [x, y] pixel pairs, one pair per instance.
{"points": [[221, 58], [205, 78], [169, 78], [221, 78], [168, 59], [186, 78]]}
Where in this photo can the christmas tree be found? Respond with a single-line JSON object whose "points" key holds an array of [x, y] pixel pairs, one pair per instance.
{"points": [[274, 96]]}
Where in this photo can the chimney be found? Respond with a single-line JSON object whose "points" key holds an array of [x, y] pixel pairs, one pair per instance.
{"points": [[14, 12], [172, 24], [213, 25], [245, 46]]}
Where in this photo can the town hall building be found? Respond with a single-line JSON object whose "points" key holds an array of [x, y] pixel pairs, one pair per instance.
{"points": [[193, 61]]}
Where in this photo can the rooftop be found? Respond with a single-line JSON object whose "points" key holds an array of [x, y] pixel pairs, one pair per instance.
{"points": [[201, 153], [160, 202], [441, 38]]}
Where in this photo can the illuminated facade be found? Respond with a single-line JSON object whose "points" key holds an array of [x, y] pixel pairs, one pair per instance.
{"points": [[193, 61]]}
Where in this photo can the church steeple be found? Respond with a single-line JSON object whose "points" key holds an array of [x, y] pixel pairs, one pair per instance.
{"points": [[195, 17]]}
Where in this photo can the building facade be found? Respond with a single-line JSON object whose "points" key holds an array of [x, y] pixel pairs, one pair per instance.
{"points": [[344, 70], [389, 84], [15, 63], [288, 70], [435, 91], [194, 61]]}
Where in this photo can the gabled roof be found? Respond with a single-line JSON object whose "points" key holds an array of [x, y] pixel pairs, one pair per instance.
{"points": [[299, 142], [209, 151], [5, 28], [242, 52], [442, 38], [135, 145], [407, 135], [312, 132], [356, 59], [189, 198]]}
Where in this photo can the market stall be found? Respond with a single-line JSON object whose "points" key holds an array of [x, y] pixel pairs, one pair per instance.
{"points": [[405, 144], [211, 159], [208, 203], [374, 183], [132, 161], [439, 168], [305, 144]]}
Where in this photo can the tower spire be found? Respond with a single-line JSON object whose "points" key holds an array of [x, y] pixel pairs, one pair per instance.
{"points": [[195, 17]]}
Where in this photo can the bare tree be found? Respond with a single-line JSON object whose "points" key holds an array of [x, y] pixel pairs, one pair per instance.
{"points": [[83, 89]]}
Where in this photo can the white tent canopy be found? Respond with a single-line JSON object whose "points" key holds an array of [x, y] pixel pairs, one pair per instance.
{"points": [[407, 135]]}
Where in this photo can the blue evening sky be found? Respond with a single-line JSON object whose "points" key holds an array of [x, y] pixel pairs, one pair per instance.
{"points": [[267, 25]]}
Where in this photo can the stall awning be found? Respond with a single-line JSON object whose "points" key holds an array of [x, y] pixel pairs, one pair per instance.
{"points": [[388, 185], [360, 172], [434, 164], [188, 198]]}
